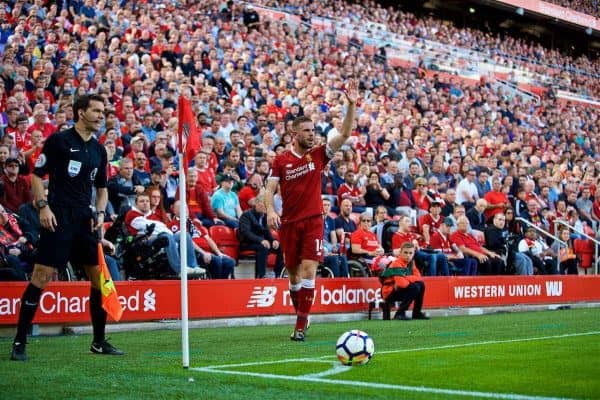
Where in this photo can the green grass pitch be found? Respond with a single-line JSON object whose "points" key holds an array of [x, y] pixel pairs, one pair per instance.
{"points": [[532, 355]]}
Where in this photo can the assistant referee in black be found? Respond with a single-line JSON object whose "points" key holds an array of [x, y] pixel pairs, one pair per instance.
{"points": [[74, 161]]}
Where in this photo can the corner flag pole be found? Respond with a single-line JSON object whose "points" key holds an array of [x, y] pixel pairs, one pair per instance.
{"points": [[185, 340], [185, 337]]}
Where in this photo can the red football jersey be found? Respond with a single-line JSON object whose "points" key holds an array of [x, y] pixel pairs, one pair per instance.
{"points": [[440, 242], [399, 238], [434, 225], [366, 239], [299, 178]]}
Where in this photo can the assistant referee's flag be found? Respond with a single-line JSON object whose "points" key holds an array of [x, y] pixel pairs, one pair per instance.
{"points": [[110, 298]]}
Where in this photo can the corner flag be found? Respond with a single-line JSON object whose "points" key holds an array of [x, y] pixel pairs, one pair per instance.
{"points": [[188, 135], [189, 144]]}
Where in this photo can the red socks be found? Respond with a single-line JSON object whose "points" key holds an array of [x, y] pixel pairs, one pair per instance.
{"points": [[306, 295], [294, 290]]}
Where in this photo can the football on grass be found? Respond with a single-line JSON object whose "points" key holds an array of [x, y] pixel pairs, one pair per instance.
{"points": [[354, 348]]}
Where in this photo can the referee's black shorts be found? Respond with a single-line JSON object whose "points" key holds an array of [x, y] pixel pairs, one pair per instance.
{"points": [[72, 239]]}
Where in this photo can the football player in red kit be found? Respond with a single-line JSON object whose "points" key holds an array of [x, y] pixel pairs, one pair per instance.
{"points": [[298, 173]]}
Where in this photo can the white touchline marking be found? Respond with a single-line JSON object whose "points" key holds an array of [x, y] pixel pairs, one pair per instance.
{"points": [[452, 346], [336, 368], [317, 377], [422, 389], [250, 364], [448, 346]]}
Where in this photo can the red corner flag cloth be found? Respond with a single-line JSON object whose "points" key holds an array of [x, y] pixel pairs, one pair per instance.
{"points": [[188, 135], [110, 298]]}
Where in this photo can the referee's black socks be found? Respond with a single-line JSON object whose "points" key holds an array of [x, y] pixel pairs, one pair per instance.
{"points": [[98, 314], [29, 305]]}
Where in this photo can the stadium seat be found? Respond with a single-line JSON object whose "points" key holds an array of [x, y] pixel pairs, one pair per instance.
{"points": [[226, 239], [251, 254], [585, 250]]}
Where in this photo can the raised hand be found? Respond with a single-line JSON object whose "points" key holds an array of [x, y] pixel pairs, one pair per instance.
{"points": [[351, 91]]}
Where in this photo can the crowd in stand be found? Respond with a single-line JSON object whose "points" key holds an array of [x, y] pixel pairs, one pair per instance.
{"points": [[589, 7], [579, 74], [437, 155]]}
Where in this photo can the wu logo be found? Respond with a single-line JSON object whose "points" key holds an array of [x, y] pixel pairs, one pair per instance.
{"points": [[554, 288], [262, 297]]}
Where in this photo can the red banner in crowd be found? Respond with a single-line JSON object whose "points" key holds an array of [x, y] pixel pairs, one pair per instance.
{"points": [[68, 302], [275, 15]]}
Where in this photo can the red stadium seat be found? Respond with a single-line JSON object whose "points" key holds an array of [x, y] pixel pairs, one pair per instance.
{"points": [[251, 254], [226, 239], [585, 250]]}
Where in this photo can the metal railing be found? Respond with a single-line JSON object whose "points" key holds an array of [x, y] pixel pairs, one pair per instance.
{"points": [[480, 60], [558, 222], [522, 92], [545, 233]]}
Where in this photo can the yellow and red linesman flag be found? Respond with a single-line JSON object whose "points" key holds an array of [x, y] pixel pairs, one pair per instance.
{"points": [[188, 135], [110, 298]]}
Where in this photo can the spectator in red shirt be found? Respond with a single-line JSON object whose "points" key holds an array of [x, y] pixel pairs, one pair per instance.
{"points": [[157, 204], [497, 201], [489, 263], [111, 133], [440, 241], [248, 193], [32, 150], [435, 261], [198, 202], [206, 175], [40, 122], [21, 136], [421, 197], [348, 190], [13, 114], [364, 242], [431, 222], [16, 189]]}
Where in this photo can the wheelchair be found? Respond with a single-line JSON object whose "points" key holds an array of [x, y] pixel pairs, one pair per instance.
{"points": [[359, 269], [141, 257]]}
